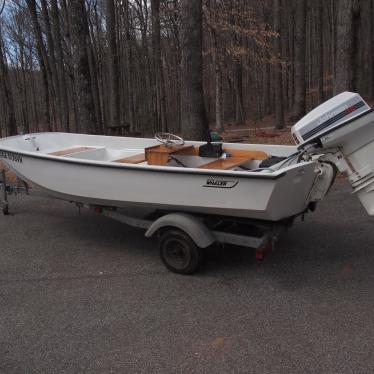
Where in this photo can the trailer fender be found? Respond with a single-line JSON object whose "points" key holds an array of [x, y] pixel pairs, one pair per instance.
{"points": [[191, 225]]}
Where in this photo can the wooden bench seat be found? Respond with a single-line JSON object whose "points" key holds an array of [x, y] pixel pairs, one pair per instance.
{"points": [[238, 157], [71, 151], [225, 163], [254, 155], [135, 159]]}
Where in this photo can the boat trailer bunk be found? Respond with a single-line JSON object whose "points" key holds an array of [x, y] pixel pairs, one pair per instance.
{"points": [[182, 237]]}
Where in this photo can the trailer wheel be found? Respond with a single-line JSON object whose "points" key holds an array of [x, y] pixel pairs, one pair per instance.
{"points": [[6, 210], [179, 252]]}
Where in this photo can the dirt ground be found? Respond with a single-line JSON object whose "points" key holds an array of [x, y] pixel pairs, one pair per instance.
{"points": [[258, 136], [262, 132]]}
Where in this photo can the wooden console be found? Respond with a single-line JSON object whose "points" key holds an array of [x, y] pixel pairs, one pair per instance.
{"points": [[160, 154]]}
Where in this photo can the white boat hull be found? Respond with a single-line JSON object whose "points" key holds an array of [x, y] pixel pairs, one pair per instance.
{"points": [[241, 194]]}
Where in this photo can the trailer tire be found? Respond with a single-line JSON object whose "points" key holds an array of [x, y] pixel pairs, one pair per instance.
{"points": [[179, 253], [5, 210]]}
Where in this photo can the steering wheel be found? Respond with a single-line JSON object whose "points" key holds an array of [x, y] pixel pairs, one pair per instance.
{"points": [[168, 139]]}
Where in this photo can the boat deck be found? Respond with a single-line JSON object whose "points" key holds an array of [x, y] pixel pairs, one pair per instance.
{"points": [[135, 159], [161, 155]]}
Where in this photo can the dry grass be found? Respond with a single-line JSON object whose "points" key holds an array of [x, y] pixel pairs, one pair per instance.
{"points": [[263, 136], [263, 132], [10, 176]]}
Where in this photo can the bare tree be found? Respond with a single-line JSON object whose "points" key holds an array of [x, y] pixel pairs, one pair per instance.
{"points": [[278, 78], [137, 66], [59, 61], [11, 127], [2, 6], [300, 42], [114, 98], [86, 121], [319, 50], [43, 63], [193, 117], [345, 46], [159, 83]]}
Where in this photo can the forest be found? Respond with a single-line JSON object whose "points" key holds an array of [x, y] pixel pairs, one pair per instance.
{"points": [[134, 67]]}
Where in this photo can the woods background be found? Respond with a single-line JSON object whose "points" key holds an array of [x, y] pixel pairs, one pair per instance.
{"points": [[135, 66]]}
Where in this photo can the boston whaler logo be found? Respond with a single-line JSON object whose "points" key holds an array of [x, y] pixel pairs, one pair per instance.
{"points": [[15, 157], [220, 183]]}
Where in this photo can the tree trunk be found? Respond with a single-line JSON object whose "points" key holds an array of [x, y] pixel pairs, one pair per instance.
{"points": [[291, 69], [60, 66], [239, 105], [128, 62], [86, 121], [320, 56], [43, 62], [54, 82], [114, 76], [371, 42], [146, 119], [278, 79], [24, 94], [219, 115], [10, 123], [219, 95], [158, 83], [300, 79], [193, 117], [345, 46]]}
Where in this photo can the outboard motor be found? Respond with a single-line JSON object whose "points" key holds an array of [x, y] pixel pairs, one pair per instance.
{"points": [[341, 131]]}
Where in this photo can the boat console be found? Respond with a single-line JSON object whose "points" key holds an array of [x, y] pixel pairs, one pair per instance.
{"points": [[160, 155]]}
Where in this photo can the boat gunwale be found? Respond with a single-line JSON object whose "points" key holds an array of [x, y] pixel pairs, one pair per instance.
{"points": [[152, 168], [138, 167]]}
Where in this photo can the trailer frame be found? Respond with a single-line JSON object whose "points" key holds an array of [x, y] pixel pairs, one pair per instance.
{"points": [[182, 236]]}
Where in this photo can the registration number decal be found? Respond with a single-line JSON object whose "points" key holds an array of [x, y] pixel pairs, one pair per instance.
{"points": [[11, 156]]}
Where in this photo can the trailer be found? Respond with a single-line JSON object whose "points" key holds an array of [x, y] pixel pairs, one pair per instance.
{"points": [[182, 237]]}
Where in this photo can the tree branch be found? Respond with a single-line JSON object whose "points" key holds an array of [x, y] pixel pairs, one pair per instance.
{"points": [[2, 8]]}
